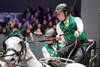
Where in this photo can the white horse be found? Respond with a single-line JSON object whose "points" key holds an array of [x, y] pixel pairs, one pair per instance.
{"points": [[75, 65], [17, 50]]}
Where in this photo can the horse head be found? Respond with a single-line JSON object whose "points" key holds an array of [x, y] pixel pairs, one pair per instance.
{"points": [[15, 49]]}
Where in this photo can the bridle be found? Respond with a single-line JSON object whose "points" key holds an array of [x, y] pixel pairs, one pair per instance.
{"points": [[19, 54]]}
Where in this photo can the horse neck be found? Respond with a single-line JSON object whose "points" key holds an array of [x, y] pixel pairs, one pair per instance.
{"points": [[33, 62], [29, 52]]}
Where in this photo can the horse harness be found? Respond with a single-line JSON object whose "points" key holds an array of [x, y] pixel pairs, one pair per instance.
{"points": [[17, 53]]}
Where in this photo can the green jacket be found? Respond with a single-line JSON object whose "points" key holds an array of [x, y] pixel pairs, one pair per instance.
{"points": [[69, 31], [51, 51]]}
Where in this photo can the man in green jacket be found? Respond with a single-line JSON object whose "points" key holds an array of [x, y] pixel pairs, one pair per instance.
{"points": [[50, 49], [70, 29]]}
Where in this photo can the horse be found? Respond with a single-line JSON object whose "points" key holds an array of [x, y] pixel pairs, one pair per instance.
{"points": [[17, 49], [19, 53], [75, 65]]}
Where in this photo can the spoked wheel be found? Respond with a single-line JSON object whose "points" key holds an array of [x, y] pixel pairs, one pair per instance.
{"points": [[57, 61]]}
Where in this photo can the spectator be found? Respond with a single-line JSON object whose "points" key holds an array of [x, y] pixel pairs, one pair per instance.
{"points": [[38, 30], [50, 25], [27, 13], [44, 26], [4, 30], [48, 10], [0, 29]]}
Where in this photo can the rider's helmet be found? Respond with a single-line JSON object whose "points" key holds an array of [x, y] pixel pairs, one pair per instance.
{"points": [[62, 7]]}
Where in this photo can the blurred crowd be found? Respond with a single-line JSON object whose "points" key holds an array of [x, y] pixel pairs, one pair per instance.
{"points": [[38, 21]]}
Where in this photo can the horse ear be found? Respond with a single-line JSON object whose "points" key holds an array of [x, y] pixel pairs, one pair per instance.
{"points": [[4, 43], [23, 38]]}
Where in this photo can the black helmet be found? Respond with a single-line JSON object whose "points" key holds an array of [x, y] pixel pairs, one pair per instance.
{"points": [[61, 7]]}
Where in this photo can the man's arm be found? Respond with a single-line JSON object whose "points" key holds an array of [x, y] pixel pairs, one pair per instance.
{"points": [[45, 53], [31, 35], [60, 34], [80, 26], [58, 30]]}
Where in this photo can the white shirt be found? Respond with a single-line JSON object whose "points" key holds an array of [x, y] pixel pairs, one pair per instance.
{"points": [[46, 53]]}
